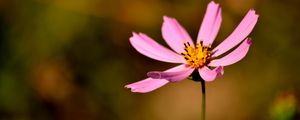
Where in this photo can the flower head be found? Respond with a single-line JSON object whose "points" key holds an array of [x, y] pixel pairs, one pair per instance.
{"points": [[199, 56]]}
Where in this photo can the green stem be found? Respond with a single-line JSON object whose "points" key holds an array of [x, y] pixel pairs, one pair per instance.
{"points": [[203, 99], [196, 77]]}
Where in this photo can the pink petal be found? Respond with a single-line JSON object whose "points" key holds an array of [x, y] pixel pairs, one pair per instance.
{"points": [[210, 75], [150, 84], [233, 57], [175, 35], [147, 85], [211, 24], [171, 76], [148, 47], [239, 34]]}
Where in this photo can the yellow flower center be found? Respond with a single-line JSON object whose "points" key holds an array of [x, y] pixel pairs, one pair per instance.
{"points": [[196, 57]]}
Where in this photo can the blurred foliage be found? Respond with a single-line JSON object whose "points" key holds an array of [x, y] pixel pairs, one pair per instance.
{"points": [[70, 60], [284, 107]]}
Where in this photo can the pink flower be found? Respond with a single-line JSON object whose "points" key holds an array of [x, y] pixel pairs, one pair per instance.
{"points": [[192, 56]]}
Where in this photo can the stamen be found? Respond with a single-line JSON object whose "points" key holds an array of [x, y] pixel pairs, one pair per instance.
{"points": [[197, 57], [185, 45], [185, 50]]}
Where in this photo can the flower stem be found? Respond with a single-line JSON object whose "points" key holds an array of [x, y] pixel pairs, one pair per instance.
{"points": [[196, 77], [203, 99]]}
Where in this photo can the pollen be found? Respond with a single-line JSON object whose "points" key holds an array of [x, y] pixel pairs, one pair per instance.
{"points": [[197, 57]]}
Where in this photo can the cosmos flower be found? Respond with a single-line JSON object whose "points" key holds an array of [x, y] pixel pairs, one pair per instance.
{"points": [[199, 57]]}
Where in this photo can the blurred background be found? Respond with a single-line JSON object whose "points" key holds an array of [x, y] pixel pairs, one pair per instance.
{"points": [[70, 60]]}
